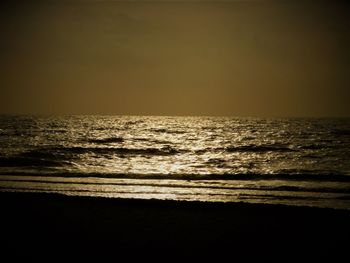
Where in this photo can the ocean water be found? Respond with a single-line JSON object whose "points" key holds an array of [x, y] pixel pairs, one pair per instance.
{"points": [[216, 159]]}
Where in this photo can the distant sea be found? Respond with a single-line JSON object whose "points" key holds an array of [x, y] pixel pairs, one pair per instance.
{"points": [[291, 161]]}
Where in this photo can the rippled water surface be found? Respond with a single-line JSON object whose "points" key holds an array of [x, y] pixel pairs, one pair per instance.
{"points": [[291, 161]]}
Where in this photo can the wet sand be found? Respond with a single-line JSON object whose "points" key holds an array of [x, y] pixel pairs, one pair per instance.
{"points": [[51, 225]]}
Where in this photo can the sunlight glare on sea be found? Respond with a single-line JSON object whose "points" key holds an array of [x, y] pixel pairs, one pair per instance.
{"points": [[293, 161]]}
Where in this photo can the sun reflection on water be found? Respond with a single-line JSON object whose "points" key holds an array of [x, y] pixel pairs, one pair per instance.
{"points": [[135, 147]]}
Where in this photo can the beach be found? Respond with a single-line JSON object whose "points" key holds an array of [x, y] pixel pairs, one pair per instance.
{"points": [[174, 130], [38, 224]]}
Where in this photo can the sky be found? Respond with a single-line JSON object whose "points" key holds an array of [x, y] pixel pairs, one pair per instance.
{"points": [[221, 58]]}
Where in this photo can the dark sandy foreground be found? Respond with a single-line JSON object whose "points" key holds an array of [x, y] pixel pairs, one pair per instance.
{"points": [[50, 226]]}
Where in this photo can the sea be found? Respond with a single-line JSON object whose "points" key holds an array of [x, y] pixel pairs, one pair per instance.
{"points": [[288, 161]]}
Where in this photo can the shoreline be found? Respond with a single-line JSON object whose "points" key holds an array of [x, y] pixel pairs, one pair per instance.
{"points": [[14, 194], [76, 224]]}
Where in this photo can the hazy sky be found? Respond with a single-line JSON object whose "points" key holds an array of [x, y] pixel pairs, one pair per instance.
{"points": [[239, 58]]}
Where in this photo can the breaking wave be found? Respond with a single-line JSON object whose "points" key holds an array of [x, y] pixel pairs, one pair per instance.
{"points": [[260, 148]]}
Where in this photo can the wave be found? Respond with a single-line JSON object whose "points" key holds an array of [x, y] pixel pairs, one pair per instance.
{"points": [[312, 147], [68, 153], [316, 146], [280, 188], [106, 140], [341, 132], [120, 150], [163, 130], [216, 161], [151, 140], [260, 148], [64, 156], [210, 149], [18, 161], [329, 177], [117, 150], [134, 122], [160, 130]]}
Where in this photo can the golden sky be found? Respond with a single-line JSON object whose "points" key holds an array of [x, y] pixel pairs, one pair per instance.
{"points": [[233, 58]]}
